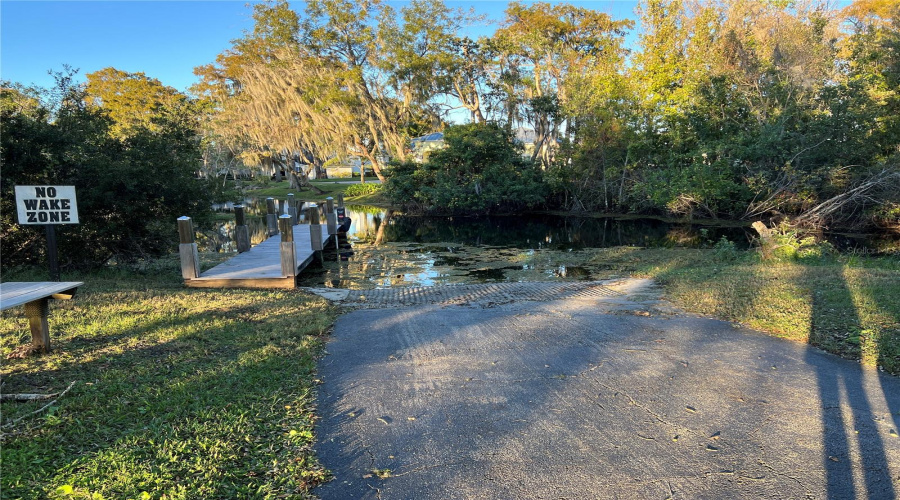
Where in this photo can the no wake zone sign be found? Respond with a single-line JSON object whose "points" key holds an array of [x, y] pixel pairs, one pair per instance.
{"points": [[46, 205]]}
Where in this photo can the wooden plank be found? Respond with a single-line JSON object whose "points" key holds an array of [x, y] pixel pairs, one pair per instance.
{"points": [[16, 293], [242, 283]]}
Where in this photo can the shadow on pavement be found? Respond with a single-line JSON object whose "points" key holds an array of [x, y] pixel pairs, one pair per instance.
{"points": [[570, 399]]}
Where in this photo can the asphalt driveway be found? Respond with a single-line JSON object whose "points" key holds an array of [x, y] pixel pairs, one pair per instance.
{"points": [[602, 392]]}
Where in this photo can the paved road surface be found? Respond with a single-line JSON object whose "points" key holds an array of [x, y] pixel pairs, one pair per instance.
{"points": [[609, 394]]}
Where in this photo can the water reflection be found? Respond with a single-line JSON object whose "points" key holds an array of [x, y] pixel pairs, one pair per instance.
{"points": [[221, 237], [538, 231], [390, 249]]}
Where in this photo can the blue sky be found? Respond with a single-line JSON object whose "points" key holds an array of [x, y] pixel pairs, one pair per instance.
{"points": [[163, 39]]}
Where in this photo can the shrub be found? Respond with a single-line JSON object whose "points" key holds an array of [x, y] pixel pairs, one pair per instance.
{"points": [[725, 250], [362, 189], [479, 171]]}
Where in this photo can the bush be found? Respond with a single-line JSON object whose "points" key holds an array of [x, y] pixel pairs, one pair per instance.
{"points": [[479, 171], [362, 189], [725, 250], [788, 244]]}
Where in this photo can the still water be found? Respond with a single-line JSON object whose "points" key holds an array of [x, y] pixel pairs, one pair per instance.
{"points": [[391, 249]]}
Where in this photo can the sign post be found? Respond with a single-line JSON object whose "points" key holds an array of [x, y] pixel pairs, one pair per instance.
{"points": [[47, 206]]}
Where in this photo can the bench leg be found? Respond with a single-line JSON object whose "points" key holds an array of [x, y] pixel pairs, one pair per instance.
{"points": [[37, 312]]}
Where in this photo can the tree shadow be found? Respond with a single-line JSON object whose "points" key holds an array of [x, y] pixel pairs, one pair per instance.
{"points": [[838, 389], [847, 416]]}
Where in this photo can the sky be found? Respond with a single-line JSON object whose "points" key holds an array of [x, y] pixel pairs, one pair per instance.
{"points": [[165, 40]]}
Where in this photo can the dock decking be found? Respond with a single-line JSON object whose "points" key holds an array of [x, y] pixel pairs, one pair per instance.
{"points": [[260, 267]]}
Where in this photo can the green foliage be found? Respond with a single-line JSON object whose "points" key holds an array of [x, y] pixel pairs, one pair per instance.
{"points": [[133, 101], [787, 244], [479, 172], [130, 189], [739, 109], [362, 189], [726, 250]]}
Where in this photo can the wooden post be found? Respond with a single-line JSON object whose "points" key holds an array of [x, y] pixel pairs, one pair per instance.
{"points": [[52, 253], [190, 259], [281, 210], [271, 218], [330, 216], [241, 231], [340, 210], [38, 311], [292, 209], [288, 251], [315, 229]]}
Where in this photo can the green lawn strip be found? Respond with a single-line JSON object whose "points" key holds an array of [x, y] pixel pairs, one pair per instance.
{"points": [[846, 305], [178, 392], [280, 190]]}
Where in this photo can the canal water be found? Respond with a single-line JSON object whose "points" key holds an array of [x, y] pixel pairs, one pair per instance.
{"points": [[391, 249]]}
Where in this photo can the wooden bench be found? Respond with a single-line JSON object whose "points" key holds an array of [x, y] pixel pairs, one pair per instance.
{"points": [[35, 296]]}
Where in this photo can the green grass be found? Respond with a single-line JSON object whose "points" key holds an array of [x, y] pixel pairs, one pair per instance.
{"points": [[847, 305], [179, 393], [331, 187]]}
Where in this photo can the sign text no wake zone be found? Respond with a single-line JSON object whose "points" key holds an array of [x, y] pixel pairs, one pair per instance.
{"points": [[46, 205]]}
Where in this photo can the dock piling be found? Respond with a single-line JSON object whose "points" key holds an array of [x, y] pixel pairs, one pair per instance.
{"points": [[292, 209], [288, 251], [187, 249], [315, 231], [271, 218], [330, 216], [241, 231]]}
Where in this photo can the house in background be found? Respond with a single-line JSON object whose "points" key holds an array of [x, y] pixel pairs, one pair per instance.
{"points": [[345, 167], [423, 146], [526, 138]]}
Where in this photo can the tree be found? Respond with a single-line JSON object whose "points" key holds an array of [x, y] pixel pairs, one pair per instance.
{"points": [[358, 38], [554, 44], [480, 171], [130, 189], [132, 100], [275, 31]]}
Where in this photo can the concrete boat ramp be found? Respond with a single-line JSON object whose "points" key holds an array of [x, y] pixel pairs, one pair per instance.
{"points": [[590, 390]]}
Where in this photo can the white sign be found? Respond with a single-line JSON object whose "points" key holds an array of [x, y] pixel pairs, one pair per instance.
{"points": [[46, 205]]}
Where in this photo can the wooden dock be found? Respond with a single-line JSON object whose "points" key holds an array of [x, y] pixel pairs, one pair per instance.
{"points": [[260, 267]]}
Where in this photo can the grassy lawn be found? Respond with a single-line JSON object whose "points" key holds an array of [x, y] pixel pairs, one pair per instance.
{"points": [[331, 187], [847, 305], [178, 393]]}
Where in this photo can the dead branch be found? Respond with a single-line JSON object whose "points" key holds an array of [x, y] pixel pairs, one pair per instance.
{"points": [[39, 410], [782, 185], [848, 201], [26, 397]]}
